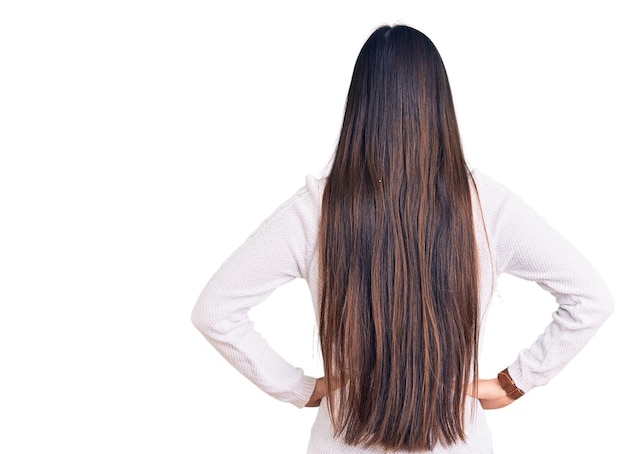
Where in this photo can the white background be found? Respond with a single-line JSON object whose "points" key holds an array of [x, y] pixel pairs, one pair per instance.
{"points": [[142, 141]]}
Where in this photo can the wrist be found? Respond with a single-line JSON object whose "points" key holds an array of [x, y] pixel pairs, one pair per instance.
{"points": [[508, 385]]}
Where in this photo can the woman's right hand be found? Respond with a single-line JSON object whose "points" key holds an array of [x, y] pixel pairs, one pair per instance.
{"points": [[490, 394]]}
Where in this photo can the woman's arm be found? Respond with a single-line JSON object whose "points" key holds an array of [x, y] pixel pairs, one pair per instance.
{"points": [[277, 252], [525, 246]]}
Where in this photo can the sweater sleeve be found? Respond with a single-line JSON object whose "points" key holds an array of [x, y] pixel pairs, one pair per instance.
{"points": [[277, 252], [525, 246]]}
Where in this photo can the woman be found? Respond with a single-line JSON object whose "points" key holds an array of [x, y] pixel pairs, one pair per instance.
{"points": [[401, 246]]}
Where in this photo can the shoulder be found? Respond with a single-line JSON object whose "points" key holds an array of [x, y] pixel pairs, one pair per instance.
{"points": [[302, 208], [498, 203], [512, 226], [314, 189], [489, 190]]}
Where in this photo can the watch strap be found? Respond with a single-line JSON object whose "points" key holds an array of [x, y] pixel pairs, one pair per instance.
{"points": [[508, 385]]}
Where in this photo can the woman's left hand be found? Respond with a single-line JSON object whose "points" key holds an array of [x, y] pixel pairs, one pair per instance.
{"points": [[318, 393]]}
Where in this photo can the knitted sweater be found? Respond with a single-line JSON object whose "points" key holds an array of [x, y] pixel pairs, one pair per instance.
{"points": [[511, 238]]}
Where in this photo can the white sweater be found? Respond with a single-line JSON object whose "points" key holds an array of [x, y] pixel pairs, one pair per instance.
{"points": [[511, 239]]}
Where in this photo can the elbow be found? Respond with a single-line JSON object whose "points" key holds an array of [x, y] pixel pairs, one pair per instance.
{"points": [[197, 318], [603, 307], [609, 307], [214, 317], [204, 319]]}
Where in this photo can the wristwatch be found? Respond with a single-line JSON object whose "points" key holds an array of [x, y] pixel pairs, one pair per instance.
{"points": [[508, 385]]}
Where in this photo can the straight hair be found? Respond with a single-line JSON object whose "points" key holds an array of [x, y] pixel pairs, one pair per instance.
{"points": [[398, 266]]}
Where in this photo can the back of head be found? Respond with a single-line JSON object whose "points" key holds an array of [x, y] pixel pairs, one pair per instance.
{"points": [[399, 286]]}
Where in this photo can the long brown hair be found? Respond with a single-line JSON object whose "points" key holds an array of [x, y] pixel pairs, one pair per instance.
{"points": [[398, 266]]}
